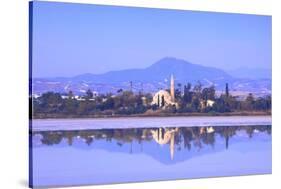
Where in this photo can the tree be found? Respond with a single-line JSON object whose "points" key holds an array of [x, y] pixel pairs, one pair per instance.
{"points": [[108, 103], [221, 104], [211, 93], [89, 94], [162, 101], [197, 89], [70, 106], [232, 103], [86, 107], [261, 104], [70, 94], [195, 104], [249, 102], [50, 102], [208, 93], [187, 94], [178, 91], [178, 94], [226, 90], [119, 90], [268, 102]]}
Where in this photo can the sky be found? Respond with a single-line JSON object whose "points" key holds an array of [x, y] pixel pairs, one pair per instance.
{"points": [[71, 39]]}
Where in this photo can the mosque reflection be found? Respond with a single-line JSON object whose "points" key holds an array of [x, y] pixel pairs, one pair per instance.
{"points": [[176, 138]]}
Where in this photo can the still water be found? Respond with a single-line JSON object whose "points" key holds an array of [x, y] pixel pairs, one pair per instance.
{"points": [[104, 156]]}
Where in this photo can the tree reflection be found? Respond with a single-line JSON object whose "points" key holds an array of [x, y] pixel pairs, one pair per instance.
{"points": [[177, 138]]}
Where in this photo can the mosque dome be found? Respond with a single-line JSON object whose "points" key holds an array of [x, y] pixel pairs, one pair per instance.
{"points": [[164, 98], [160, 96]]}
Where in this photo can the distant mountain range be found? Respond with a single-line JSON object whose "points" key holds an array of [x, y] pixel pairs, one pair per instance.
{"points": [[182, 70], [155, 77]]}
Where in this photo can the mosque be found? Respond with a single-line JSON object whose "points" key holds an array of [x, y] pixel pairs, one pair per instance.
{"points": [[163, 98]]}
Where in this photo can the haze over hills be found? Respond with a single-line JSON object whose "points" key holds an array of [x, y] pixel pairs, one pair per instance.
{"points": [[151, 79], [251, 73]]}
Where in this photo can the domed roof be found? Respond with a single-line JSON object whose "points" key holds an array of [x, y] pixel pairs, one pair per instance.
{"points": [[163, 92], [157, 98]]}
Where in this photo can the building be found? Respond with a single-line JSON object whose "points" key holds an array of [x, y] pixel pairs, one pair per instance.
{"points": [[164, 98], [206, 103]]}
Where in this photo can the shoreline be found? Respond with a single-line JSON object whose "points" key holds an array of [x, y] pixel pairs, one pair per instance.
{"points": [[151, 115], [146, 122]]}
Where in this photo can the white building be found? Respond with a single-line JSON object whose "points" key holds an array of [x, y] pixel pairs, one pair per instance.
{"points": [[164, 98]]}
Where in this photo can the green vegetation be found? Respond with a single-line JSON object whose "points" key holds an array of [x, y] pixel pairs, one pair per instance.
{"points": [[194, 100]]}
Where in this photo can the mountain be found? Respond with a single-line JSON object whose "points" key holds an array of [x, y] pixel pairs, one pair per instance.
{"points": [[158, 72], [150, 79], [251, 73]]}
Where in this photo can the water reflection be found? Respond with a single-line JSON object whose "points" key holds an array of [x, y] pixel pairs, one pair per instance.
{"points": [[177, 138]]}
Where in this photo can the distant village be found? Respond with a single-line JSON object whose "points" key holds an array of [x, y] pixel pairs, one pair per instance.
{"points": [[192, 99]]}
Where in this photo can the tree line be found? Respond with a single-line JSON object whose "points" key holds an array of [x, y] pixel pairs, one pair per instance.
{"points": [[189, 99]]}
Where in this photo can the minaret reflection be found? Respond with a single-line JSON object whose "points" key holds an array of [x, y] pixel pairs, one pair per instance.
{"points": [[165, 136]]}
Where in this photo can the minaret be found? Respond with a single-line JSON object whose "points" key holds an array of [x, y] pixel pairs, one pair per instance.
{"points": [[172, 88]]}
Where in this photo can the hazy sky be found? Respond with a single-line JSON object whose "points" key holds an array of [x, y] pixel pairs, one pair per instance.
{"points": [[71, 39]]}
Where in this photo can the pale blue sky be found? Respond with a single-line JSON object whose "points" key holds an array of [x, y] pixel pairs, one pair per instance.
{"points": [[71, 39]]}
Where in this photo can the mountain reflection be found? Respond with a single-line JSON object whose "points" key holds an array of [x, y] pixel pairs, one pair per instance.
{"points": [[177, 138]]}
